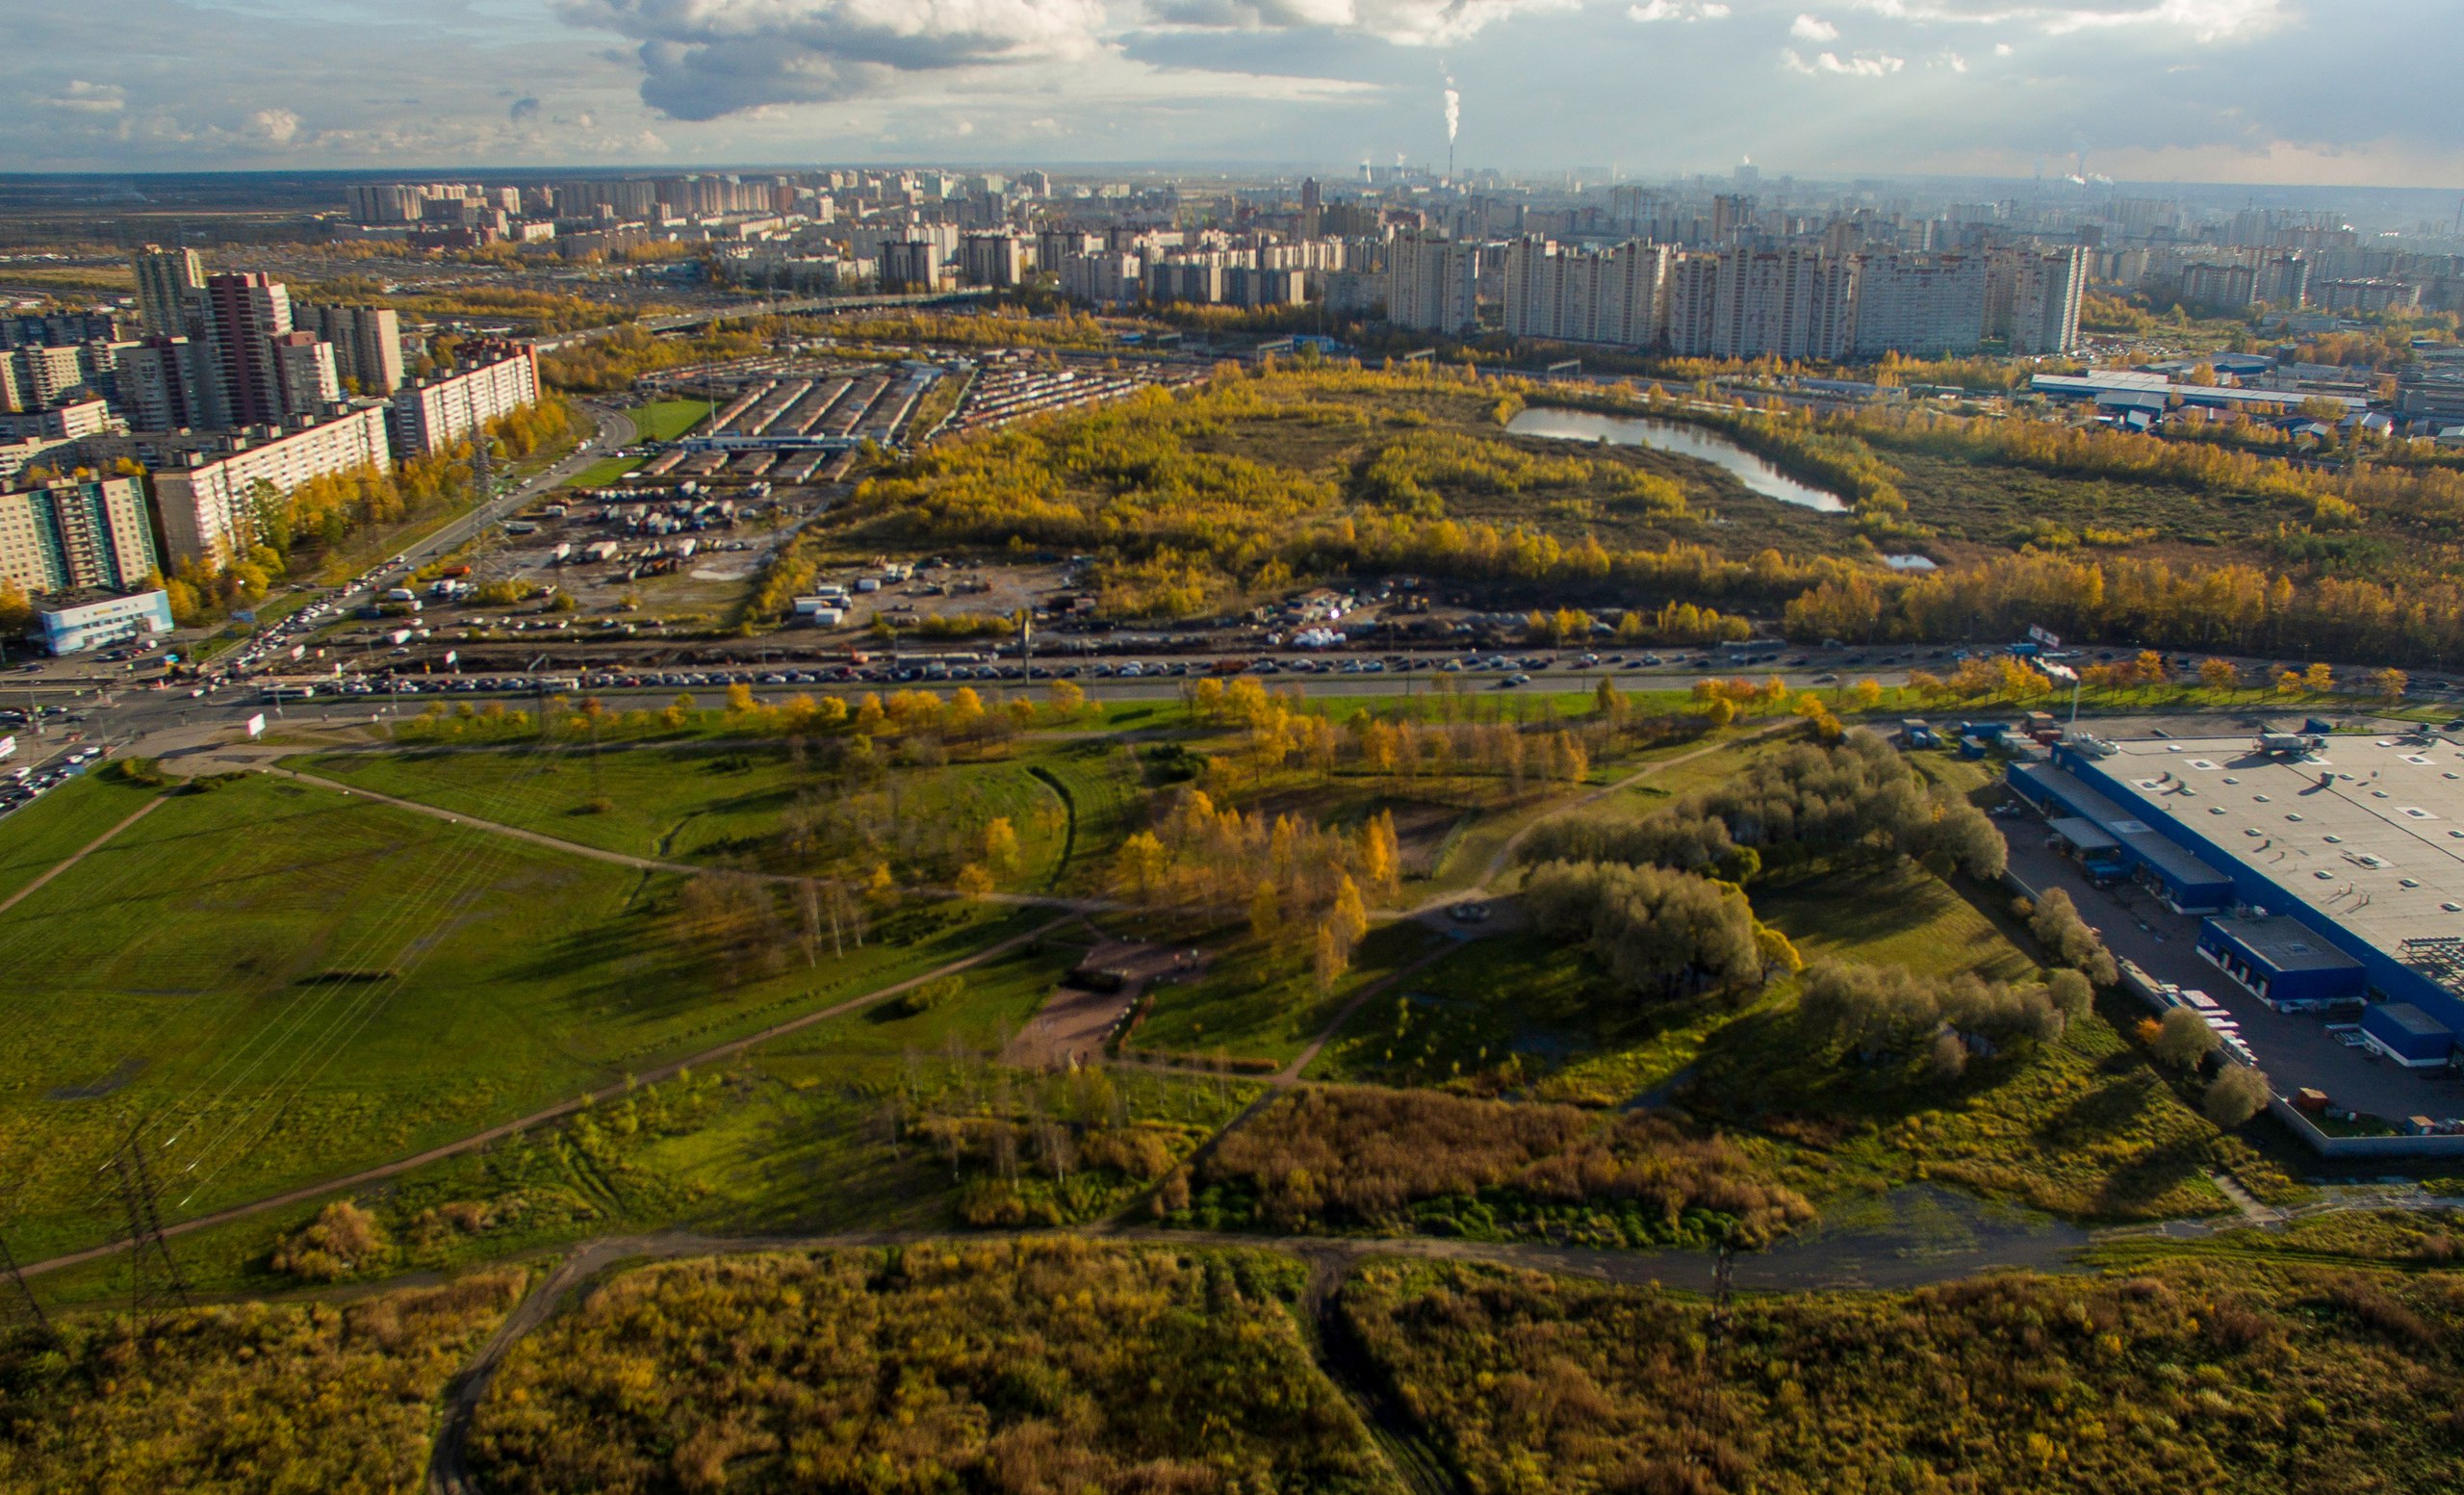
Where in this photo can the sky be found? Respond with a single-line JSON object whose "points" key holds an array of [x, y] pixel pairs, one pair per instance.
{"points": [[2265, 91]]}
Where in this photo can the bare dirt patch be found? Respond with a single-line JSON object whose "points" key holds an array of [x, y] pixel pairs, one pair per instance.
{"points": [[1095, 994]]}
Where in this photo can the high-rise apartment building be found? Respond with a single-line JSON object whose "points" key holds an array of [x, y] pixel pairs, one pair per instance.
{"points": [[1693, 305], [169, 283], [243, 314], [1616, 296], [2225, 286], [63, 536], [910, 264], [166, 384], [35, 377], [1923, 305], [992, 259], [1432, 285], [1784, 304], [207, 496], [303, 367], [2034, 299], [368, 344]]}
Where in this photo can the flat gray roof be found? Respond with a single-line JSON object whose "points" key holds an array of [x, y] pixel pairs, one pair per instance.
{"points": [[2378, 847], [2085, 835], [2412, 1019], [2286, 945]]}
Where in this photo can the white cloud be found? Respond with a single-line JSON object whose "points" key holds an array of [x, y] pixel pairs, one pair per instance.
{"points": [[1403, 22], [1952, 61], [278, 126], [91, 98], [1812, 28], [2205, 21], [2002, 49], [1678, 11], [1855, 65]]}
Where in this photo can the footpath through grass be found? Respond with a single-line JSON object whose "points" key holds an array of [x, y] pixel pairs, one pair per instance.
{"points": [[291, 984], [61, 823]]}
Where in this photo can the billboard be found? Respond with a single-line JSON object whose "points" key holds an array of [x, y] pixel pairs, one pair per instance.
{"points": [[256, 726]]}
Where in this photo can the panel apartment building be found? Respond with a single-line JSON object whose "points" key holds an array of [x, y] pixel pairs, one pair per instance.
{"points": [[432, 415], [206, 493], [69, 536], [1794, 301]]}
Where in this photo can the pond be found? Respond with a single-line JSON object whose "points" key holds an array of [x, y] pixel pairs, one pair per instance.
{"points": [[1691, 441]]}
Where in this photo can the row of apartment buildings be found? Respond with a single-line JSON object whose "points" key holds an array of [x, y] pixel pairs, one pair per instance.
{"points": [[202, 493], [1789, 301]]}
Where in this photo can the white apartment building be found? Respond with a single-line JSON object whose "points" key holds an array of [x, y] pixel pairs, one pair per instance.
{"points": [[2036, 297], [1616, 296], [1110, 278], [443, 411], [208, 496], [1922, 305], [1432, 285]]}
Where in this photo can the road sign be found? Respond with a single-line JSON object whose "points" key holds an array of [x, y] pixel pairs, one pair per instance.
{"points": [[2043, 636], [256, 726]]}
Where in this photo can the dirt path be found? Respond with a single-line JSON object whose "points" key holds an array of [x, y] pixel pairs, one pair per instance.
{"points": [[1290, 1075], [477, 1140], [87, 850]]}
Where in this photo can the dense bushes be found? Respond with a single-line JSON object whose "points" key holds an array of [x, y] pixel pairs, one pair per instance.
{"points": [[1348, 1158], [2054, 919], [1880, 1011], [1658, 933], [240, 1401], [1024, 1367], [2188, 1379]]}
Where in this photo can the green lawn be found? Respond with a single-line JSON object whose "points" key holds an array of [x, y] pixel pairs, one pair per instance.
{"points": [[693, 801], [295, 983], [792, 1135], [1260, 1001], [58, 825], [665, 420], [603, 472], [1514, 1011]]}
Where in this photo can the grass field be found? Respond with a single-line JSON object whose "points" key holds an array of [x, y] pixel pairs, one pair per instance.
{"points": [[665, 420], [603, 472], [288, 982], [696, 802], [58, 825], [792, 1135], [1261, 1002]]}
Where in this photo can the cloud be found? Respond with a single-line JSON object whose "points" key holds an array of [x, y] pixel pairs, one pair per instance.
{"points": [[1952, 61], [702, 59], [1810, 28], [91, 98], [523, 110], [2205, 21], [278, 126], [1678, 11], [1857, 64], [1402, 22]]}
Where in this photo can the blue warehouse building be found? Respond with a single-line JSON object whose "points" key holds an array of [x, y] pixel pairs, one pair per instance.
{"points": [[2329, 875]]}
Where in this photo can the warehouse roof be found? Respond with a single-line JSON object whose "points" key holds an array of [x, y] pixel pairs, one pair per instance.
{"points": [[2369, 831]]}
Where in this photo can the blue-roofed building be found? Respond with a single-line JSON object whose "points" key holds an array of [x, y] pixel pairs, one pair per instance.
{"points": [[2335, 871]]}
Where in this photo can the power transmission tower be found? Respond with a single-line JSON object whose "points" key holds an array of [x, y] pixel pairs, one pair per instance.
{"points": [[155, 1286], [21, 1309]]}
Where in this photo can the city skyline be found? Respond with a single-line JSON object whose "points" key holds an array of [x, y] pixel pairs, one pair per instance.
{"points": [[2152, 91]]}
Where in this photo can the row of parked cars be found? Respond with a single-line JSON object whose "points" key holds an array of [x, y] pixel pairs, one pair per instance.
{"points": [[22, 786]]}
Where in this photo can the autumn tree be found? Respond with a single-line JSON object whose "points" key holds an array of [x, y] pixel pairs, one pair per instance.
{"points": [[2235, 1095]]}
